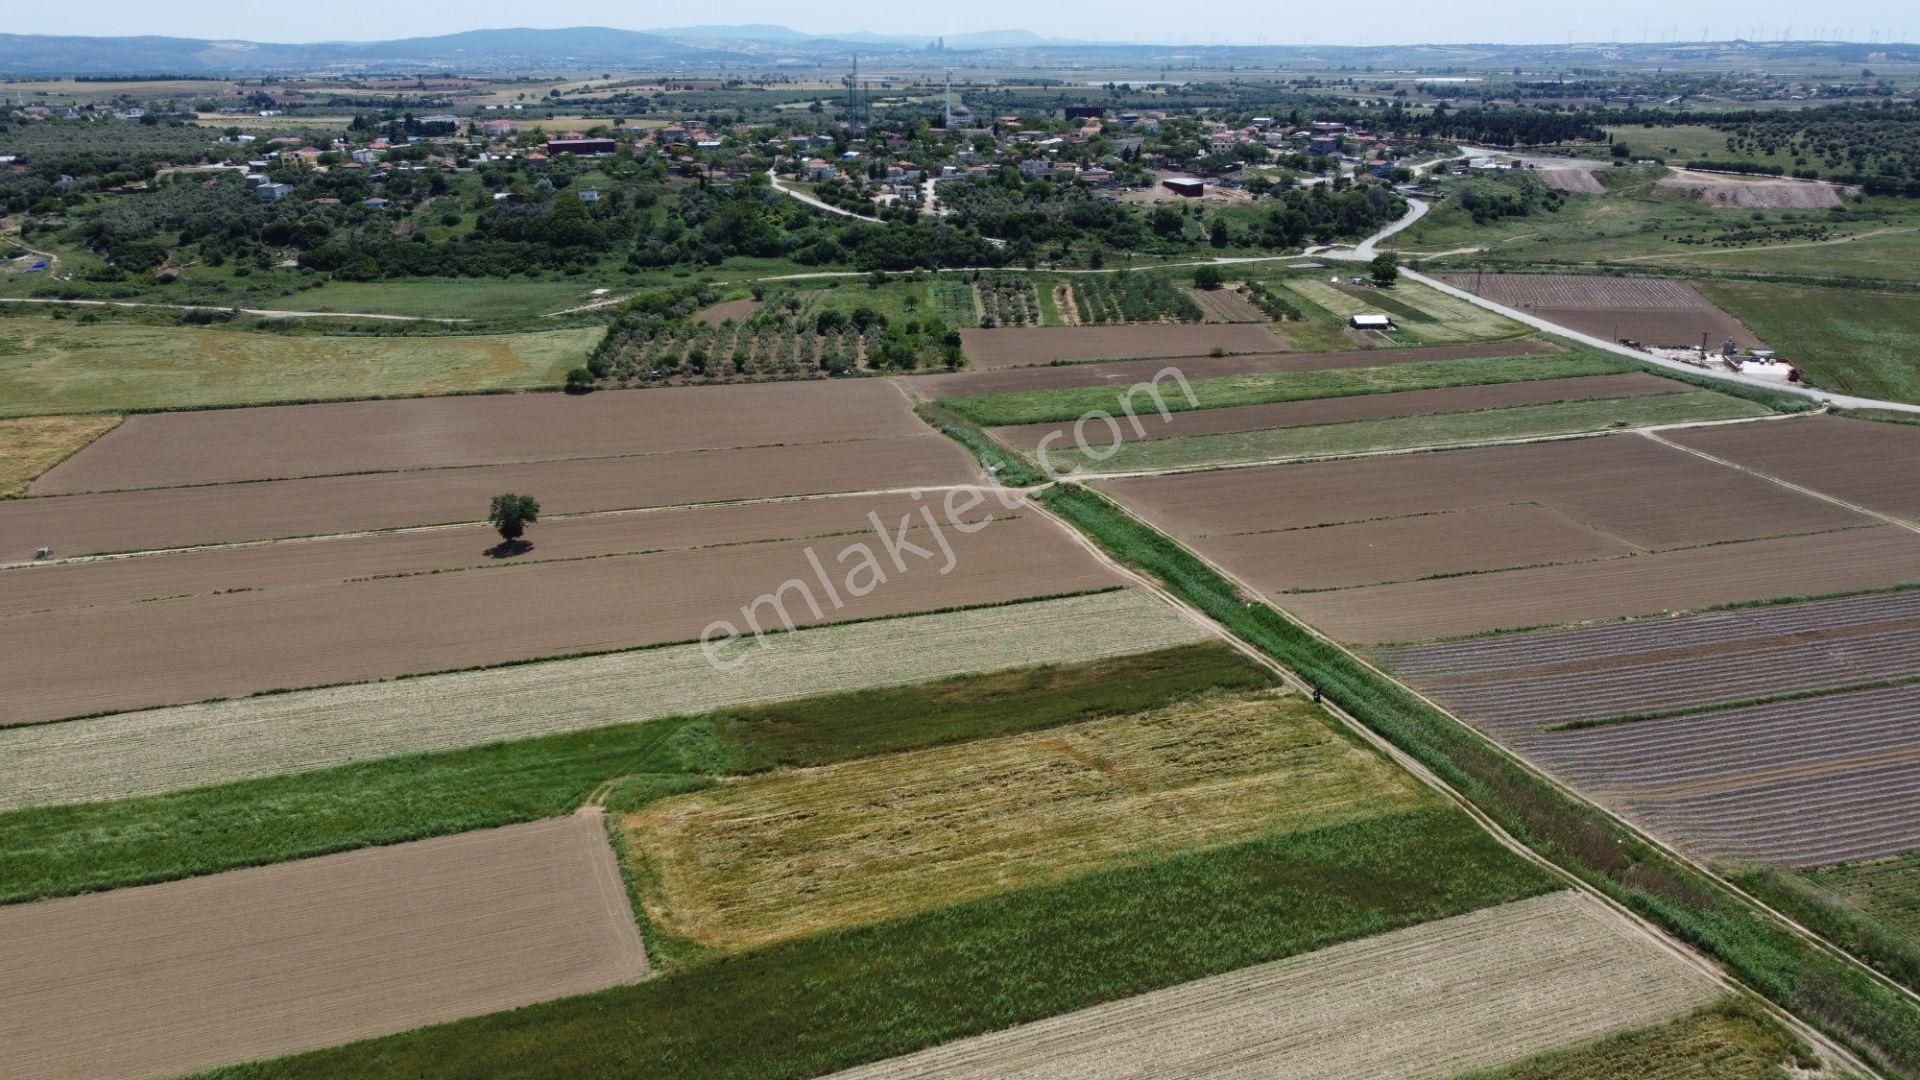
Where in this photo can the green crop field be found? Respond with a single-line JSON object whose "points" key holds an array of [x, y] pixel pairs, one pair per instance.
{"points": [[50, 366], [1850, 341], [1408, 432], [1059, 406]]}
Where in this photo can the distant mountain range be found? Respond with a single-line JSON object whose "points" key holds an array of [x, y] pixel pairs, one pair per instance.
{"points": [[749, 47]]}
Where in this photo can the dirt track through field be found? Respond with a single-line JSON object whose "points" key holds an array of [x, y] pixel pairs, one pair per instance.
{"points": [[1459, 994], [990, 350], [174, 978], [1875, 465], [146, 753], [1121, 374], [227, 445], [232, 513], [1335, 410], [117, 657]]}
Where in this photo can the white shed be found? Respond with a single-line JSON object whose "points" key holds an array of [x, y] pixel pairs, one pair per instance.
{"points": [[1370, 322]]}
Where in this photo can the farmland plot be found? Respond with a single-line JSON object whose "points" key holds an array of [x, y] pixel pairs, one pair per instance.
{"points": [[1421, 430], [1226, 306], [1467, 992], [334, 505], [147, 753], [1352, 407], [1119, 374], [991, 350], [1526, 682], [1874, 465], [223, 446], [773, 858], [175, 978], [1658, 311], [31, 446], [115, 657], [1798, 783]]}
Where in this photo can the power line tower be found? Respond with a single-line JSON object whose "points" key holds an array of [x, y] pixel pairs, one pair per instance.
{"points": [[856, 108]]}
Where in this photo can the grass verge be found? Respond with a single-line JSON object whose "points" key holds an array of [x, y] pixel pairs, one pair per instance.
{"points": [[1007, 466], [1873, 1018]]}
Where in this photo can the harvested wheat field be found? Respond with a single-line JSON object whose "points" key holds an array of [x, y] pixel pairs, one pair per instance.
{"points": [[333, 505], [147, 753], [1337, 410], [1659, 311], [227, 445], [1875, 465], [1683, 580], [1121, 374], [175, 978], [1470, 992], [116, 657], [31, 446], [1758, 192], [989, 350], [771, 858]]}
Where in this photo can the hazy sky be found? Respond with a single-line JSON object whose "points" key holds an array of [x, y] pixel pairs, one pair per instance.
{"points": [[1381, 22]]}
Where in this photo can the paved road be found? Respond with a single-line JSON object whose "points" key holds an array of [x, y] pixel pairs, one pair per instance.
{"points": [[774, 178], [264, 313]]}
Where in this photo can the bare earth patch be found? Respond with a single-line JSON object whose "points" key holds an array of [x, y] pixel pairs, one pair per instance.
{"points": [[1766, 192], [175, 978], [1473, 991], [737, 310]]}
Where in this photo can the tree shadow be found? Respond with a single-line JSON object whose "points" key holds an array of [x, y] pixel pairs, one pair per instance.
{"points": [[507, 549]]}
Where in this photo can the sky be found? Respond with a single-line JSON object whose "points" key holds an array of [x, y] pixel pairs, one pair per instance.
{"points": [[1379, 23]]}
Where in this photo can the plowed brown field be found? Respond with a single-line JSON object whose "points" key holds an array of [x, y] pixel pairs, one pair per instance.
{"points": [[989, 350], [146, 520], [1648, 495], [1226, 306], [1869, 464], [226, 445], [180, 977], [1658, 311], [1125, 373], [1356, 407], [124, 656], [1437, 1000], [1643, 585]]}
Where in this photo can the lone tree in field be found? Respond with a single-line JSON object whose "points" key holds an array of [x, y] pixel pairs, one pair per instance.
{"points": [[1209, 277], [1385, 268], [511, 514]]}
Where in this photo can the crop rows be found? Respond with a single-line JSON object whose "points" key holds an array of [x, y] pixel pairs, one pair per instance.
{"points": [[1007, 300], [751, 348], [1277, 306], [1132, 298], [953, 301], [1578, 291], [1530, 680]]}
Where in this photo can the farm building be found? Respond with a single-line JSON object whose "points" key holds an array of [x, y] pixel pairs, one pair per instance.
{"points": [[583, 147], [1370, 322], [1185, 186]]}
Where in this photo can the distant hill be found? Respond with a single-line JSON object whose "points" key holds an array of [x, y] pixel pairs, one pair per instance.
{"points": [[753, 47]]}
